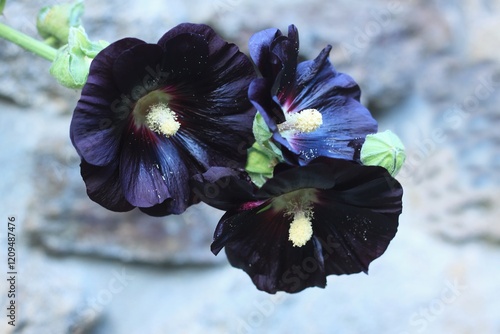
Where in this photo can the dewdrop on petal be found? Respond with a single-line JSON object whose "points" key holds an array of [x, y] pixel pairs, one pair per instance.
{"points": [[383, 149]]}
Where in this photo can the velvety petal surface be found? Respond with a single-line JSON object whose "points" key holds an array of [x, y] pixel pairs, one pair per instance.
{"points": [[224, 188], [336, 96], [211, 97], [203, 79], [344, 120], [215, 141], [360, 213], [355, 215], [104, 186], [313, 84], [154, 170], [359, 236], [134, 70], [257, 242], [286, 49], [260, 96], [259, 47], [319, 80], [99, 116]]}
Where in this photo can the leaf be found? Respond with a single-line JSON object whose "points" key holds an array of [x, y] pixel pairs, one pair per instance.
{"points": [[258, 161], [2, 5], [264, 154], [260, 129], [259, 179]]}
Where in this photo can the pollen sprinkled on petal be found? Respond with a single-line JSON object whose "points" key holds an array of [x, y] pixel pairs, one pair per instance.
{"points": [[162, 120], [307, 120], [300, 229]]}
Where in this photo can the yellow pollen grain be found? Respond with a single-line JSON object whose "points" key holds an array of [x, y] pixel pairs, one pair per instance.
{"points": [[162, 120], [307, 120], [300, 231]]}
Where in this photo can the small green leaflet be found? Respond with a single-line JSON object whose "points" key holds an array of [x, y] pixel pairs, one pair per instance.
{"points": [[263, 155]]}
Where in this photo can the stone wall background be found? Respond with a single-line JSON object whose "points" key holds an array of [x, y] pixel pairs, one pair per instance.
{"points": [[429, 70]]}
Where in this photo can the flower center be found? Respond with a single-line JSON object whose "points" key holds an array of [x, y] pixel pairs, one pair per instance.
{"points": [[307, 120], [162, 120], [300, 231], [152, 111], [298, 204]]}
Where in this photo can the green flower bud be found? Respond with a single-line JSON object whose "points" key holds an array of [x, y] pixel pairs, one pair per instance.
{"points": [[72, 62], [2, 6], [384, 149], [54, 22]]}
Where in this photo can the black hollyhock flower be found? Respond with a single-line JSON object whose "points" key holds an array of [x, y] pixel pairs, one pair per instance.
{"points": [[312, 109], [331, 216], [152, 115]]}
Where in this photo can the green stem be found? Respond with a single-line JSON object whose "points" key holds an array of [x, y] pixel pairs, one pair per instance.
{"points": [[28, 43]]}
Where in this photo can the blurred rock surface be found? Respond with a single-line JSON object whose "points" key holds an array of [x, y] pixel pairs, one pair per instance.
{"points": [[429, 70], [65, 221]]}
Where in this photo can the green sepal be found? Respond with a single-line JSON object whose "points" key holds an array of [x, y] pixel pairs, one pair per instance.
{"points": [[72, 62], [259, 160], [263, 155], [260, 129]]}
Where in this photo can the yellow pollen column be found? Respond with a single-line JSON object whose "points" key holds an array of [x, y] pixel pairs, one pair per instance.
{"points": [[162, 120], [307, 120], [300, 229]]}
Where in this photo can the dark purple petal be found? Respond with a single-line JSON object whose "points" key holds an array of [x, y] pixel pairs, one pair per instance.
{"points": [[218, 91], [168, 207], [344, 120], [154, 170], [357, 236], [318, 80], [224, 188], [214, 42], [259, 94], [100, 115], [195, 50], [221, 141], [104, 186], [135, 70], [206, 81], [257, 242], [336, 96], [319, 174], [336, 174], [260, 50], [354, 217], [287, 51], [185, 58], [313, 84], [159, 210], [360, 214]]}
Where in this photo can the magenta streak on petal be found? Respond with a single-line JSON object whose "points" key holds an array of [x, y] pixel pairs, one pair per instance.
{"points": [[251, 205]]}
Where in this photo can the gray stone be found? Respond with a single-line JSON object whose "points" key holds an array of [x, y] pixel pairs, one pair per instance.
{"points": [[65, 221], [429, 70], [48, 301]]}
